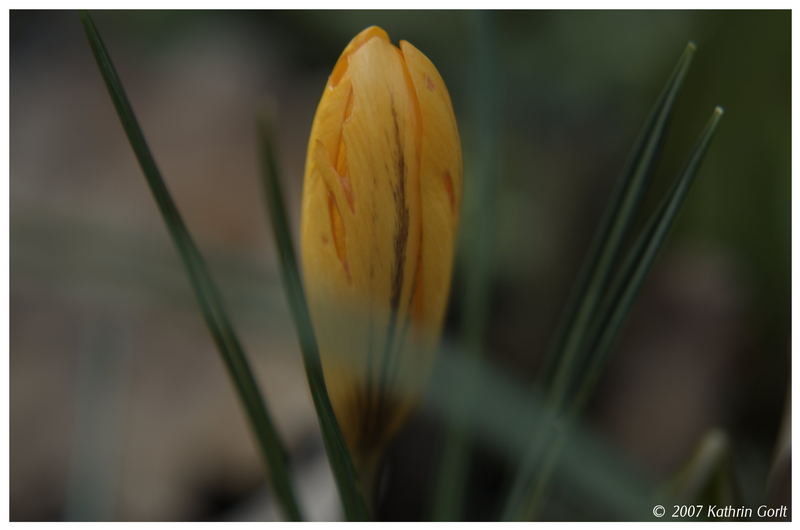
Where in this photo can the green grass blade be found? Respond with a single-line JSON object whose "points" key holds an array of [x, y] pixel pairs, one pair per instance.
{"points": [[270, 444], [563, 357], [346, 479], [562, 360], [776, 488], [477, 224], [588, 468], [708, 477], [628, 282], [623, 291]]}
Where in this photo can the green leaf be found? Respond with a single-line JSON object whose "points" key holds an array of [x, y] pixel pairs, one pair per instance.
{"points": [[589, 468], [625, 286], [708, 476], [476, 230], [628, 281], [341, 463], [778, 485], [562, 360], [272, 448]]}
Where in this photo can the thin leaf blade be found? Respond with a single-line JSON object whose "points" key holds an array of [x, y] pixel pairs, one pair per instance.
{"points": [[626, 285], [341, 463], [644, 252], [270, 444], [477, 223], [561, 363]]}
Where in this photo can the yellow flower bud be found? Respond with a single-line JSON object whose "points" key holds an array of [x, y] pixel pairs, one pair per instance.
{"points": [[380, 210]]}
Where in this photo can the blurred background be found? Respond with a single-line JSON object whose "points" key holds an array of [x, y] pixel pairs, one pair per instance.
{"points": [[120, 406]]}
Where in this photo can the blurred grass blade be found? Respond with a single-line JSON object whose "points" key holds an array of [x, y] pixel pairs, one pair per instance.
{"points": [[476, 237], [627, 283], [778, 484], [563, 357], [270, 444], [99, 418], [588, 467], [708, 477], [624, 289], [341, 463], [562, 360]]}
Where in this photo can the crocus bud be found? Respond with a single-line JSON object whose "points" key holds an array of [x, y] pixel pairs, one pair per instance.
{"points": [[380, 210]]}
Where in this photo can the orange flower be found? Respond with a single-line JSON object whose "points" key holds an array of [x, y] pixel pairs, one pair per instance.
{"points": [[380, 210]]}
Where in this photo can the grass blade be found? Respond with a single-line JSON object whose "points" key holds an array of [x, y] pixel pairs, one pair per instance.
{"points": [[270, 444], [776, 489], [587, 465], [346, 479], [638, 263], [477, 224], [562, 360], [563, 357], [708, 477], [623, 291]]}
